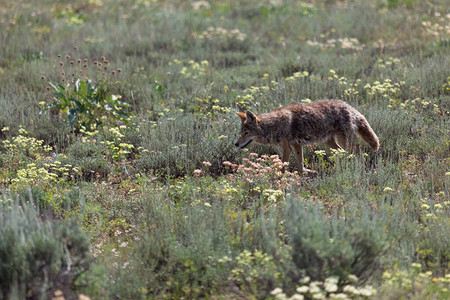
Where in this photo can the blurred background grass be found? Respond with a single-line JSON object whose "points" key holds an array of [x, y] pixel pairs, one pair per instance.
{"points": [[187, 66]]}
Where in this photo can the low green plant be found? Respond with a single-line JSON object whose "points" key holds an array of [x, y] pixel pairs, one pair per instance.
{"points": [[44, 175], [327, 289], [18, 151], [258, 177], [399, 283], [257, 273], [23, 145]]}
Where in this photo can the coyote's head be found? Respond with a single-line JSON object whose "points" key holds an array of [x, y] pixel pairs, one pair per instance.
{"points": [[250, 129]]}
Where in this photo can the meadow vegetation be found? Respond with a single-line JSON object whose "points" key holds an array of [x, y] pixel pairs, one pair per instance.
{"points": [[119, 177]]}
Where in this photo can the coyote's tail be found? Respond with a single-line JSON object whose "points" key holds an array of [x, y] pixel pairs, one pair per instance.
{"points": [[367, 134]]}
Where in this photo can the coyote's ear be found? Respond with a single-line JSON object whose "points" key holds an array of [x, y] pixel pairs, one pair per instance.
{"points": [[242, 116], [251, 117]]}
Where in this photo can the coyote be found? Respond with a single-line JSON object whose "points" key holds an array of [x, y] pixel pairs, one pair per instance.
{"points": [[332, 122]]}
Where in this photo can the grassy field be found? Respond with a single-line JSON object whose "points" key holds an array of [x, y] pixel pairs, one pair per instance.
{"points": [[119, 178]]}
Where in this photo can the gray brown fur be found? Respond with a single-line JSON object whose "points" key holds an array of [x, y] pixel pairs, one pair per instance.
{"points": [[332, 122]]}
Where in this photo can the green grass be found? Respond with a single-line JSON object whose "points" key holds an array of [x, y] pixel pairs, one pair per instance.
{"points": [[151, 197]]}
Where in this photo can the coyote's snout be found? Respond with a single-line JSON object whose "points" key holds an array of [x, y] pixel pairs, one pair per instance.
{"points": [[332, 122]]}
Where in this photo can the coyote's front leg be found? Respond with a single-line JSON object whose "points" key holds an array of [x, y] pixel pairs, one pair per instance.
{"points": [[286, 152], [298, 152]]}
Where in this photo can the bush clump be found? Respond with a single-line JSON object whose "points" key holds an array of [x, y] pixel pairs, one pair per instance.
{"points": [[38, 257], [339, 246]]}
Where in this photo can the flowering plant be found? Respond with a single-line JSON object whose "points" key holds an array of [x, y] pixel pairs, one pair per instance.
{"points": [[86, 102]]}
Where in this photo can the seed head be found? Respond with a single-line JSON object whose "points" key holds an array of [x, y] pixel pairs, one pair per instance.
{"points": [[71, 62], [67, 57], [119, 70], [47, 89], [79, 61], [61, 63], [85, 60], [85, 66], [102, 58], [59, 55], [106, 62], [63, 74], [43, 77], [75, 48], [113, 72]]}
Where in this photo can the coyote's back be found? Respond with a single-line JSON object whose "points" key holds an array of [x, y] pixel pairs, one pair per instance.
{"points": [[323, 121]]}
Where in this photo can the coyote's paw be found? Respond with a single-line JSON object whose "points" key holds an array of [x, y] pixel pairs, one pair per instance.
{"points": [[309, 172]]}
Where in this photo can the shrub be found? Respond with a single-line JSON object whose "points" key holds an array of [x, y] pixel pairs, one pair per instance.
{"points": [[334, 246], [82, 149], [178, 251], [38, 257], [88, 157]]}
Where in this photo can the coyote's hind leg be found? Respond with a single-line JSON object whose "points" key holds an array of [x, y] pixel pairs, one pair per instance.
{"points": [[332, 143], [286, 152], [345, 141]]}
